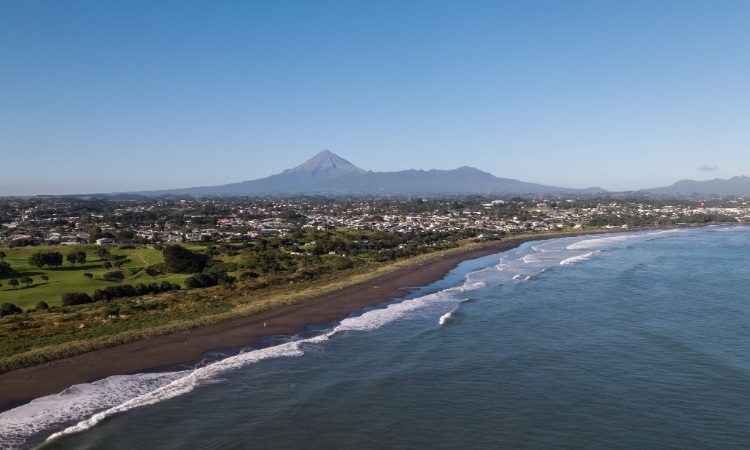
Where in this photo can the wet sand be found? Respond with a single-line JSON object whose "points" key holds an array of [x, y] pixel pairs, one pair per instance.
{"points": [[23, 385]]}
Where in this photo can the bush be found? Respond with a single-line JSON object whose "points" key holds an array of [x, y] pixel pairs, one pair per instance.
{"points": [[153, 271], [110, 311], [200, 280], [99, 296], [141, 289], [113, 276], [41, 305], [7, 309], [76, 298], [248, 275]]}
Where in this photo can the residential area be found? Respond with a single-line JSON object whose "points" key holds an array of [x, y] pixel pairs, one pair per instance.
{"points": [[72, 221]]}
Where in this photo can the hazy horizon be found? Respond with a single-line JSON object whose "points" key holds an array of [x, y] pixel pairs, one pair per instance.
{"points": [[131, 96]]}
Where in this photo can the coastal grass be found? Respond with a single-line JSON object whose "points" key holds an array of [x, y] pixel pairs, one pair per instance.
{"points": [[35, 337]]}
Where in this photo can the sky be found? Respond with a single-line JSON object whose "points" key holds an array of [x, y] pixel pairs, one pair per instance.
{"points": [[139, 95]]}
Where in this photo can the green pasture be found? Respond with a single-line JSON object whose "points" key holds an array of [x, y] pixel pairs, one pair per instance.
{"points": [[67, 278]]}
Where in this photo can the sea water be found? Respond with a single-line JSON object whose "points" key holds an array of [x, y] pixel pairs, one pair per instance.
{"points": [[631, 340]]}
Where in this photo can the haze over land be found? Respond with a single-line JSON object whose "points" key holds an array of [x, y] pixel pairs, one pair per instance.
{"points": [[130, 96]]}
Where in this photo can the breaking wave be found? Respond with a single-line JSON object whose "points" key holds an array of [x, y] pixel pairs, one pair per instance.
{"points": [[89, 404], [579, 258]]}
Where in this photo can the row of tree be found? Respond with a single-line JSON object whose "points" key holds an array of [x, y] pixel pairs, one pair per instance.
{"points": [[51, 259], [119, 291], [28, 281]]}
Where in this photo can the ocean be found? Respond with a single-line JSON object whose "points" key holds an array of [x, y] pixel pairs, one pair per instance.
{"points": [[629, 340]]}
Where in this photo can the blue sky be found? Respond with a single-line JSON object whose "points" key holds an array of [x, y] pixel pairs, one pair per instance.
{"points": [[120, 96]]}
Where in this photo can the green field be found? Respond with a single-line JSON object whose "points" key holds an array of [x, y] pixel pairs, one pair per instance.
{"points": [[67, 278]]}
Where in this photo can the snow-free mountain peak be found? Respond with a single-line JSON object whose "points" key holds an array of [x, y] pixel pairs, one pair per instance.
{"points": [[325, 164]]}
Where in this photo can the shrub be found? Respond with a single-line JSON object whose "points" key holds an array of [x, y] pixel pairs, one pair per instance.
{"points": [[110, 311], [141, 289], [248, 275], [113, 276], [42, 305], [7, 309], [200, 280], [153, 271], [99, 296], [76, 298]]}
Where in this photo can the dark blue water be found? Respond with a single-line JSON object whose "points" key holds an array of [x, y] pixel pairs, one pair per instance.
{"points": [[637, 340]]}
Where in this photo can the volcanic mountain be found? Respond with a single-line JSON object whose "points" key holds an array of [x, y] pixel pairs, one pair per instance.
{"points": [[329, 174], [717, 187]]}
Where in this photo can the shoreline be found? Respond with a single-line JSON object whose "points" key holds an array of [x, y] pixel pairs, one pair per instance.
{"points": [[20, 386]]}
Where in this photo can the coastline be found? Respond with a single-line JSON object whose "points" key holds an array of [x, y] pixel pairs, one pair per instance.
{"points": [[23, 385]]}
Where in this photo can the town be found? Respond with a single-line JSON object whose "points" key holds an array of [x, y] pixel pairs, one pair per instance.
{"points": [[78, 274], [72, 221]]}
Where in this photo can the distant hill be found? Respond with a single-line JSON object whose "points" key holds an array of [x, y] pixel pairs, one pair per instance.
{"points": [[329, 174], [736, 186]]}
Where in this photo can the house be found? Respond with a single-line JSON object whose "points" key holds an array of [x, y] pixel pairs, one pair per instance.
{"points": [[105, 241]]}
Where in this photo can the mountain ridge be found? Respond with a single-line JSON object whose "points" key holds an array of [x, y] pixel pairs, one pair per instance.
{"points": [[329, 174], [739, 186]]}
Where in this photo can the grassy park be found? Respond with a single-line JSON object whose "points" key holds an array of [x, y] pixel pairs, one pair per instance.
{"points": [[49, 283]]}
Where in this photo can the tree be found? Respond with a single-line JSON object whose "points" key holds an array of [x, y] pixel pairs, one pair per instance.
{"points": [[107, 265], [13, 282], [42, 305], [2, 255], [27, 281], [178, 259], [7, 309], [51, 259], [5, 268], [37, 259], [76, 257], [81, 257], [102, 253], [54, 259]]}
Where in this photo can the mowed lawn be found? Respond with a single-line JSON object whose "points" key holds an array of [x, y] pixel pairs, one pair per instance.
{"points": [[67, 278]]}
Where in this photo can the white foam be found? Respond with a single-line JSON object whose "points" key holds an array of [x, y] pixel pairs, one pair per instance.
{"points": [[600, 242], [76, 402], [187, 383], [579, 258], [101, 399], [138, 393]]}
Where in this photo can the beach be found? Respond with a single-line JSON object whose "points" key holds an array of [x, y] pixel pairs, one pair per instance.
{"points": [[185, 348], [581, 331]]}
